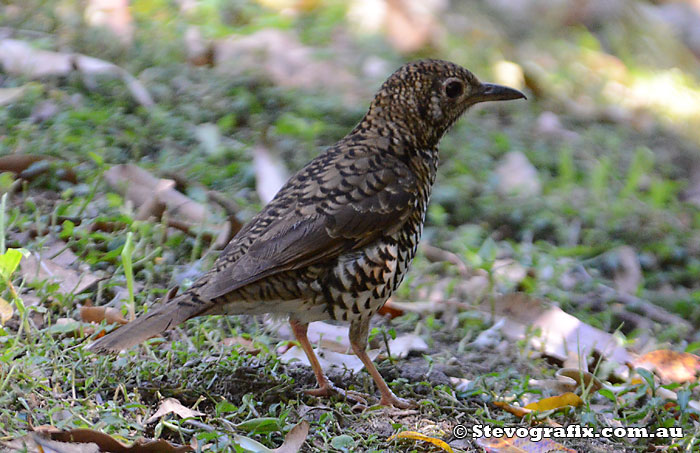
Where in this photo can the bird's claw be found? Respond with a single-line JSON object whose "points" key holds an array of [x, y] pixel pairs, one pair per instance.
{"points": [[399, 403], [330, 390]]}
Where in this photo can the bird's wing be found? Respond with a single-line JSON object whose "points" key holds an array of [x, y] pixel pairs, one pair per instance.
{"points": [[340, 209]]}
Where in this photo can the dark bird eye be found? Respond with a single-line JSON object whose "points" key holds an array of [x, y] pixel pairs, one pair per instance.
{"points": [[454, 89]]}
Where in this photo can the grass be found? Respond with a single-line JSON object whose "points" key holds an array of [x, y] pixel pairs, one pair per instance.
{"points": [[615, 185]]}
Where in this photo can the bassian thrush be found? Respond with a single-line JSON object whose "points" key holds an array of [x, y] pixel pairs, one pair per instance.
{"points": [[337, 239]]}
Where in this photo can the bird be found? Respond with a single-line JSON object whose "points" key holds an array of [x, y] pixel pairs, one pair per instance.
{"points": [[338, 238]]}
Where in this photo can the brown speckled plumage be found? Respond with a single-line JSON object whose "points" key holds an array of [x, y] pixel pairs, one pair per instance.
{"points": [[337, 239]]}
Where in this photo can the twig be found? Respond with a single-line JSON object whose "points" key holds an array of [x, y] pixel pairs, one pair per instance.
{"points": [[436, 254]]}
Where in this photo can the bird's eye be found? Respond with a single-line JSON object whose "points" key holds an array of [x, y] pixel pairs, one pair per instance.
{"points": [[454, 89]]}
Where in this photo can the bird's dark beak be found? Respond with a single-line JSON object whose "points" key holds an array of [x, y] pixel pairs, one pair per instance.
{"points": [[493, 92]]}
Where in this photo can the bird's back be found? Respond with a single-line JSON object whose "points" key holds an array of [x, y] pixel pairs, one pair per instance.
{"points": [[358, 207]]}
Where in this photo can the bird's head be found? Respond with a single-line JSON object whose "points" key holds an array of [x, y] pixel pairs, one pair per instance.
{"points": [[424, 98]]}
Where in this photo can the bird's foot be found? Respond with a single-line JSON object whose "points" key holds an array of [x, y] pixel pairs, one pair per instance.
{"points": [[395, 401], [329, 389]]}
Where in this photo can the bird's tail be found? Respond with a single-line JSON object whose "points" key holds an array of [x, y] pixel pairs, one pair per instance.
{"points": [[162, 318]]}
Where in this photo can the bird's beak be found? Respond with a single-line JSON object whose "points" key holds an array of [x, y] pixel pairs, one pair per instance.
{"points": [[493, 92]]}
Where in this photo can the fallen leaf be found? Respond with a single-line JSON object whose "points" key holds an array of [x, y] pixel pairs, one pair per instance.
{"points": [[403, 345], [562, 335], [556, 402], [21, 58], [141, 187], [245, 343], [99, 314], [491, 337], [515, 410], [328, 358], [389, 310], [270, 173], [417, 307], [6, 311], [107, 443], [328, 336], [38, 268], [293, 441], [568, 380], [418, 436], [520, 445], [29, 166], [171, 405], [60, 253], [670, 366], [673, 396], [461, 384], [279, 56]]}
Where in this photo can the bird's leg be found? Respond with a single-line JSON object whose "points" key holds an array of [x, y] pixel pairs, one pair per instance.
{"points": [[358, 340], [325, 386]]}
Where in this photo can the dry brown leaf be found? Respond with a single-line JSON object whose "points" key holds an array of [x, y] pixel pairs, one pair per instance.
{"points": [[670, 366], [294, 439], [21, 58], [22, 166], [568, 380], [141, 187], [60, 253], [245, 343], [389, 310], [75, 439], [99, 314], [38, 267], [270, 173], [173, 406], [562, 335], [279, 56]]}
